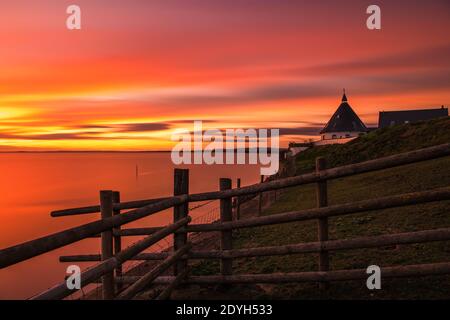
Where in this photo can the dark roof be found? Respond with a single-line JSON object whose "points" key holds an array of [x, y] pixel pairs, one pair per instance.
{"points": [[344, 120], [344, 98], [390, 118], [300, 144]]}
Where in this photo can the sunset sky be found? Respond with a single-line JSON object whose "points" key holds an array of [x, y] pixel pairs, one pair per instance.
{"points": [[139, 69]]}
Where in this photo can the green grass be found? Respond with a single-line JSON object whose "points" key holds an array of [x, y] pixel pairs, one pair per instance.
{"points": [[415, 177]]}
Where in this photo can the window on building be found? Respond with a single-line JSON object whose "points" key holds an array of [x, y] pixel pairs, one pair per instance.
{"points": [[334, 136]]}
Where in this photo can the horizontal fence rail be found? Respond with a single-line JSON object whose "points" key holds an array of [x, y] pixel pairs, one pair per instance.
{"points": [[335, 173], [96, 208], [336, 210], [418, 270], [442, 234]]}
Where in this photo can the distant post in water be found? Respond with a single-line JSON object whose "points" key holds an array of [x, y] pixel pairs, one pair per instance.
{"points": [[322, 227], [238, 201], [106, 209], [180, 187], [226, 265], [117, 237]]}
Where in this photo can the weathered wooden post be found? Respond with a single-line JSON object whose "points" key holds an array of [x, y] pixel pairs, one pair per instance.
{"points": [[180, 187], [238, 201], [260, 199], [106, 209], [117, 237], [322, 201], [226, 235]]}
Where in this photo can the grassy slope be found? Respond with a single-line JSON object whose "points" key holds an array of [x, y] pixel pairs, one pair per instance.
{"points": [[416, 177]]}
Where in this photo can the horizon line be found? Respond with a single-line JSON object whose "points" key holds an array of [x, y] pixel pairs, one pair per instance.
{"points": [[114, 151]]}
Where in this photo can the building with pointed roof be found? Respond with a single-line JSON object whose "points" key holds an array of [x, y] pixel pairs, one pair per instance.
{"points": [[344, 125]]}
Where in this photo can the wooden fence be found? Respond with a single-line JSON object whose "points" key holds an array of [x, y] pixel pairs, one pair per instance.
{"points": [[117, 285]]}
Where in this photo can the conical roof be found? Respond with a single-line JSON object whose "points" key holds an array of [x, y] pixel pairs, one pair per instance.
{"points": [[344, 120]]}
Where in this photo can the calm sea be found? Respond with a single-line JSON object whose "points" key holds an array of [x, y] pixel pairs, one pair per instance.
{"points": [[34, 184]]}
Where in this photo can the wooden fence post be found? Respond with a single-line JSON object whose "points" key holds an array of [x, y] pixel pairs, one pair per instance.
{"points": [[106, 209], [322, 201], [260, 199], [226, 265], [238, 201], [117, 238], [180, 187]]}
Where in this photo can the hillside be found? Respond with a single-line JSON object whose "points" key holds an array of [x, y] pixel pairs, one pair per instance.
{"points": [[415, 177], [379, 143]]}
